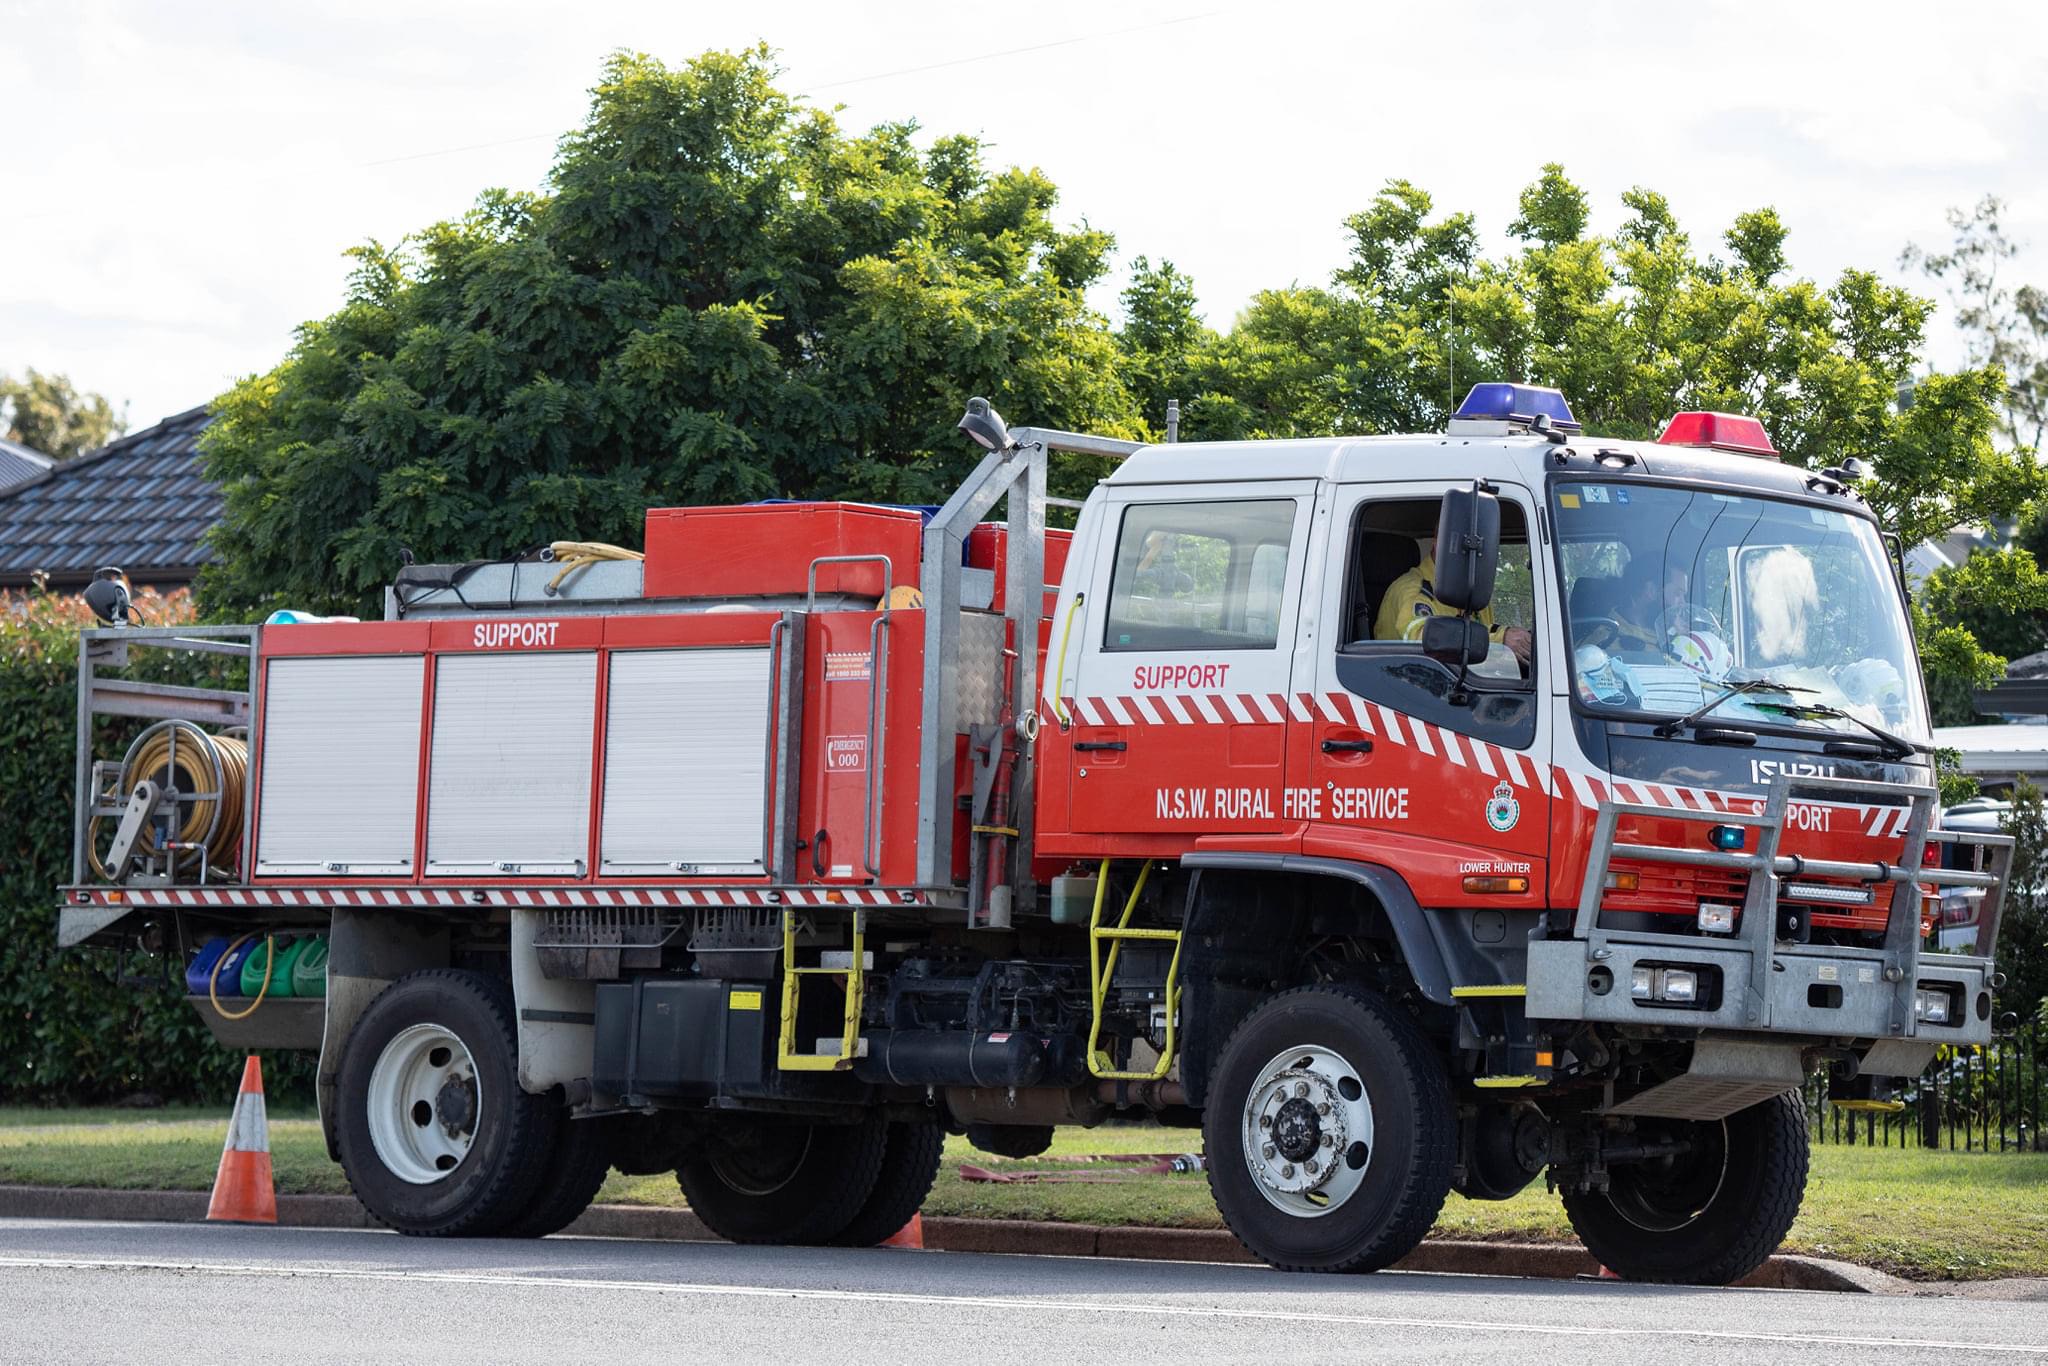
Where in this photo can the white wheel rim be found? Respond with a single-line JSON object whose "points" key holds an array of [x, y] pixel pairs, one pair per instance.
{"points": [[1308, 1131], [424, 1103]]}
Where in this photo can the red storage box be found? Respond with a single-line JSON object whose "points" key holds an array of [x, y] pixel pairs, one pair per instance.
{"points": [[766, 549]]}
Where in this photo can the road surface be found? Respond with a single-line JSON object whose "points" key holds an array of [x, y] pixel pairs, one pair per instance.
{"points": [[76, 1292]]}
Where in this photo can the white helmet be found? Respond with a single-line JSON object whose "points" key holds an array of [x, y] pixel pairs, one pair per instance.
{"points": [[1705, 653]]}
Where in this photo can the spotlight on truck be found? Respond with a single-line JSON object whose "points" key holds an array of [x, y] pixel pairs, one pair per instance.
{"points": [[985, 426], [107, 595]]}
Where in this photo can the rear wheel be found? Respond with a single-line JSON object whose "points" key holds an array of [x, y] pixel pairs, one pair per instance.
{"points": [[910, 1163], [1329, 1131], [1709, 1215], [763, 1180], [577, 1167], [435, 1135]]}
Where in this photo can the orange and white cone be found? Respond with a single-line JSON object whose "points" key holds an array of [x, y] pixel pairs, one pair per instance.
{"points": [[243, 1190], [910, 1235]]}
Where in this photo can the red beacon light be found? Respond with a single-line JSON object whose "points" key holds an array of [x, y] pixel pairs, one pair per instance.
{"points": [[1719, 432]]}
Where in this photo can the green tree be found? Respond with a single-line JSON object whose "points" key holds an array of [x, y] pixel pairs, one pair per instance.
{"points": [[721, 296], [2006, 326], [1370, 352], [2023, 931], [1998, 597], [1163, 342], [45, 412]]}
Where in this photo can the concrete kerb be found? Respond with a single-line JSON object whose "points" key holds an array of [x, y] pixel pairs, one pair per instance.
{"points": [[1445, 1256]]}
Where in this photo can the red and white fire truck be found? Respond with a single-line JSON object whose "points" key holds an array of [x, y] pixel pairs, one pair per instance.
{"points": [[1411, 813]]}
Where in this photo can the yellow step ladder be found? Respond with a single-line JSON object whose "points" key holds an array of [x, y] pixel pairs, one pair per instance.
{"points": [[1101, 970], [786, 1056]]}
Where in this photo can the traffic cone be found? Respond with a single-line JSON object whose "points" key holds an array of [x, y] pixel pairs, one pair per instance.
{"points": [[910, 1235], [243, 1191]]}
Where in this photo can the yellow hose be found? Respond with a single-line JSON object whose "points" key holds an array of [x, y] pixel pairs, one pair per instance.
{"points": [[1059, 673], [575, 555], [269, 966], [205, 763]]}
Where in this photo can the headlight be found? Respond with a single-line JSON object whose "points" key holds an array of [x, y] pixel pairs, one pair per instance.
{"points": [[1716, 919], [1653, 985], [1929, 1007]]}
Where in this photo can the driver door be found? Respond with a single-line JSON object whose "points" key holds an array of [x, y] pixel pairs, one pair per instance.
{"points": [[1393, 766]]}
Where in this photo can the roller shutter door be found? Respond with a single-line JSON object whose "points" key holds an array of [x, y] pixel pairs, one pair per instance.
{"points": [[685, 761], [341, 765], [509, 787]]}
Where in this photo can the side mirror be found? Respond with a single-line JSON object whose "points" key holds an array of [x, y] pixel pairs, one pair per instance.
{"points": [[1467, 549], [1456, 642]]}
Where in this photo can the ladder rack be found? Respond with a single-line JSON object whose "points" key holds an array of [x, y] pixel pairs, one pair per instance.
{"points": [[1014, 475]]}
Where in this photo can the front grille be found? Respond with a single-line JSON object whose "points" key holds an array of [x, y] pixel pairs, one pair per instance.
{"points": [[1673, 889]]}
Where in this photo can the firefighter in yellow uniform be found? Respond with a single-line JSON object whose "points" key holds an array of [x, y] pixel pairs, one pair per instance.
{"points": [[1410, 601]]}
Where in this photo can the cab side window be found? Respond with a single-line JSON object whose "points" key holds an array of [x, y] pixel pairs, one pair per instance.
{"points": [[1200, 576], [1388, 597]]}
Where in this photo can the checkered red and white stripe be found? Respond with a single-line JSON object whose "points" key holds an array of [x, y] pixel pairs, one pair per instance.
{"points": [[532, 898], [1589, 789]]}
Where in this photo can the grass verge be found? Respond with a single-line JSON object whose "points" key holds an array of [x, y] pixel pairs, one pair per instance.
{"points": [[1925, 1215]]}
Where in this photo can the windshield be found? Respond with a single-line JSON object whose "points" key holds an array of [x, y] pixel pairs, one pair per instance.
{"points": [[1675, 595]]}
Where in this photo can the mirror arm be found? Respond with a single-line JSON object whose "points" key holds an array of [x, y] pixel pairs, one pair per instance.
{"points": [[1461, 694]]}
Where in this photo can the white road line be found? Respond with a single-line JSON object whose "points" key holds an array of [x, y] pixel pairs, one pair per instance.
{"points": [[1122, 1309]]}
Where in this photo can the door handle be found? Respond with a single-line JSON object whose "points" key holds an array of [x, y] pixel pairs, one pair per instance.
{"points": [[1347, 746], [1101, 744]]}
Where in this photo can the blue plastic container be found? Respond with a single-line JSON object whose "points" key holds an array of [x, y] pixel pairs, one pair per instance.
{"points": [[231, 969], [202, 965]]}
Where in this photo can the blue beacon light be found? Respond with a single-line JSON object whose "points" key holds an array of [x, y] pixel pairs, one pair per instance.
{"points": [[1523, 403]]}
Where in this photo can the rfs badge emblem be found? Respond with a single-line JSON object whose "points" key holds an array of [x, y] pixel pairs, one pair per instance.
{"points": [[1502, 810]]}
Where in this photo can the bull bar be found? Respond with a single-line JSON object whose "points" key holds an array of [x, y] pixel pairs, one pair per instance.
{"points": [[1773, 986]]}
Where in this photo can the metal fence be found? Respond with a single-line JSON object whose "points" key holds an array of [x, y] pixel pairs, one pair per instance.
{"points": [[1991, 1099]]}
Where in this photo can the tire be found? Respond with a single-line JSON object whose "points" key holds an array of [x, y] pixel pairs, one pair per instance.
{"points": [[1342, 1064], [770, 1180], [435, 1135], [1710, 1217], [576, 1168], [910, 1163]]}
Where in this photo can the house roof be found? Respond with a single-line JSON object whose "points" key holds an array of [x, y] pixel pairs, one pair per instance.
{"points": [[19, 463], [141, 503], [1988, 751]]}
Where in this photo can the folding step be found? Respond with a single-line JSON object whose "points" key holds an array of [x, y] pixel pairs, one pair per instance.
{"points": [[833, 1055], [1102, 970]]}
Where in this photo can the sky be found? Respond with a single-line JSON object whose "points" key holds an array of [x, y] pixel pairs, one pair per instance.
{"points": [[183, 178]]}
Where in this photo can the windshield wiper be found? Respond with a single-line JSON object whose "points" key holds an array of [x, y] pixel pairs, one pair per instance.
{"points": [[1667, 729], [1896, 746]]}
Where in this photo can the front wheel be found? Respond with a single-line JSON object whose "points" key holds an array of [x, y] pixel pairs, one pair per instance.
{"points": [[1329, 1131], [1709, 1214]]}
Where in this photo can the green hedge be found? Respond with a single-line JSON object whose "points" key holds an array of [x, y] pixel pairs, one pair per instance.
{"points": [[86, 1025]]}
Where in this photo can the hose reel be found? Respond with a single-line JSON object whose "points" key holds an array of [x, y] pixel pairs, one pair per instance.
{"points": [[185, 789]]}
